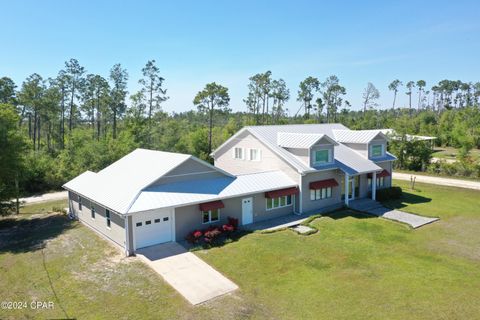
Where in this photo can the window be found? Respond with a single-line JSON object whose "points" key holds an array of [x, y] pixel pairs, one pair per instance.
{"points": [[377, 150], [80, 203], [319, 194], [238, 153], [274, 203], [157, 221], [107, 216], [139, 224], [254, 154], [211, 215], [93, 212], [165, 219], [380, 183], [322, 156], [148, 222]]}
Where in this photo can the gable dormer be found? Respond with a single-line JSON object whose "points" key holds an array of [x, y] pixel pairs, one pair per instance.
{"points": [[313, 149], [371, 144]]}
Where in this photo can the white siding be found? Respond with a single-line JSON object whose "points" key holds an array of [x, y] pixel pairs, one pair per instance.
{"points": [[270, 161]]}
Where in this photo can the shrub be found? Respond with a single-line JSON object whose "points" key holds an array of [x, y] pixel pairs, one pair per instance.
{"points": [[228, 228], [194, 236], [212, 234], [233, 222], [389, 193]]}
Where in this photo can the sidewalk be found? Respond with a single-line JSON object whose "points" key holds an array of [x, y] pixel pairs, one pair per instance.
{"points": [[439, 181], [45, 197]]}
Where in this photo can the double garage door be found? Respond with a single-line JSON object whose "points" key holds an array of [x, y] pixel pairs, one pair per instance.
{"points": [[150, 228]]}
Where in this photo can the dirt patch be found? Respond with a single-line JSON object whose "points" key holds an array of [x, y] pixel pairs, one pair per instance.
{"points": [[460, 237]]}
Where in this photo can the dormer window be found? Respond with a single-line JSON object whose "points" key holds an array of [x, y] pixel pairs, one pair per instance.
{"points": [[376, 150], [322, 156]]}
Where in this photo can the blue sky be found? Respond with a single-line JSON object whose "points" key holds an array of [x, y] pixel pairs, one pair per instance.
{"points": [[196, 42]]}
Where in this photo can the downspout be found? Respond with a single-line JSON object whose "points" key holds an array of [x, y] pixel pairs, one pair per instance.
{"points": [[127, 240], [300, 195]]}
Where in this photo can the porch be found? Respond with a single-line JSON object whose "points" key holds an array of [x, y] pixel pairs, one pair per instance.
{"points": [[364, 185]]}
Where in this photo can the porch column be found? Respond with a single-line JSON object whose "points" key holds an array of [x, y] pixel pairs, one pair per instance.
{"points": [[346, 189], [374, 185]]}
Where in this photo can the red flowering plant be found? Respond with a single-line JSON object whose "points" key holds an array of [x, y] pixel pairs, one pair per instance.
{"points": [[194, 236], [228, 228]]}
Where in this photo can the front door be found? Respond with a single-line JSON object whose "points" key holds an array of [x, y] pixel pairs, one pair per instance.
{"points": [[247, 211]]}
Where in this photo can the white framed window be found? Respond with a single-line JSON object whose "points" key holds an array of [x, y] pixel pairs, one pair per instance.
{"points": [[380, 183], [322, 156], [319, 194], [107, 217], [254, 154], [376, 150], [280, 202], [92, 212], [80, 203], [210, 216], [238, 153]]}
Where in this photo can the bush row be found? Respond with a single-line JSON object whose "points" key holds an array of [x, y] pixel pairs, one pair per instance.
{"points": [[389, 193]]}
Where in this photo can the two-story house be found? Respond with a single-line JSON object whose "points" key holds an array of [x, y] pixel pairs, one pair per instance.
{"points": [[262, 172]]}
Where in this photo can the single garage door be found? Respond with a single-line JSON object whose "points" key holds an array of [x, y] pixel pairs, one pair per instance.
{"points": [[152, 228]]}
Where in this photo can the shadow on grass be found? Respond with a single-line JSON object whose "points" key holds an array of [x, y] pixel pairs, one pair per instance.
{"points": [[345, 213], [406, 200], [19, 235]]}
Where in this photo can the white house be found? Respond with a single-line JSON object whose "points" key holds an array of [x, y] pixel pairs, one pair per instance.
{"points": [[262, 172]]}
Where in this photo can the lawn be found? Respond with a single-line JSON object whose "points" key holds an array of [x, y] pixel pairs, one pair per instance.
{"points": [[452, 153], [355, 267], [44, 207]]}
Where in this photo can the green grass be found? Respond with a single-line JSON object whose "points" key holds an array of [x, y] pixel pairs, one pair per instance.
{"points": [[44, 207], [355, 267], [452, 153]]}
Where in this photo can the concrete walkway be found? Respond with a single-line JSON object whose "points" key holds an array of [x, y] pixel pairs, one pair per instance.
{"points": [[45, 197], [375, 208], [287, 221], [185, 272], [438, 180]]}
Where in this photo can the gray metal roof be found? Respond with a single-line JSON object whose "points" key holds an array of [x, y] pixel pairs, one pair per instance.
{"points": [[356, 136], [298, 140], [205, 190], [345, 158], [118, 185]]}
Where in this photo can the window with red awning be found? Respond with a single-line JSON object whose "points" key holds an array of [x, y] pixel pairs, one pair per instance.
{"points": [[382, 174], [211, 205], [323, 184], [281, 193]]}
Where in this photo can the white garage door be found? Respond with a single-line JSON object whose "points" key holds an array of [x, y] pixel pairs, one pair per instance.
{"points": [[152, 227]]}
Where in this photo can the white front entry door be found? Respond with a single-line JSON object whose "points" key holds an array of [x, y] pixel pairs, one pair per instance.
{"points": [[150, 228], [247, 211]]}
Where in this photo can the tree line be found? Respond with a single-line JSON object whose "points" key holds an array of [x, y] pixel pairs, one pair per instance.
{"points": [[55, 128]]}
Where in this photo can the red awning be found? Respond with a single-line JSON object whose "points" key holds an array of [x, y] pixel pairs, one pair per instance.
{"points": [[281, 193], [211, 205], [384, 173], [323, 184]]}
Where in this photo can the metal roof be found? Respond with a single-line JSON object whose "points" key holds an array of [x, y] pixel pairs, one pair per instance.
{"points": [[345, 158], [356, 136], [299, 140], [203, 190], [118, 185]]}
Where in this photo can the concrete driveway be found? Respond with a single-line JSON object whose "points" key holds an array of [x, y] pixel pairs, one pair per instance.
{"points": [[185, 272]]}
